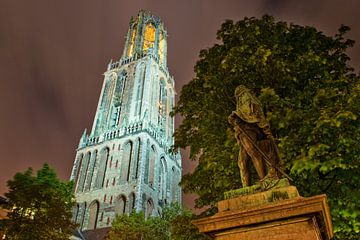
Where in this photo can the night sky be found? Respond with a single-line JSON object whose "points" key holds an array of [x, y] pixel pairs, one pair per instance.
{"points": [[53, 54]]}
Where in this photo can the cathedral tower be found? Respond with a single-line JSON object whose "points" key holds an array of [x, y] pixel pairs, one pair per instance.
{"points": [[124, 163]]}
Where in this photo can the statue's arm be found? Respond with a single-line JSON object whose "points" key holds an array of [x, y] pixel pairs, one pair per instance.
{"points": [[235, 120]]}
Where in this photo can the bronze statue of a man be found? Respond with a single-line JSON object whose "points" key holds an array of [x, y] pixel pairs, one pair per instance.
{"points": [[254, 138]]}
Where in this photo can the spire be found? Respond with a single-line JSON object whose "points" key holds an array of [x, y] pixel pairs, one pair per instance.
{"points": [[83, 139]]}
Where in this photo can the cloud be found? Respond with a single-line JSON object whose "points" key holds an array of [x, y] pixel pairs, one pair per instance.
{"points": [[53, 54]]}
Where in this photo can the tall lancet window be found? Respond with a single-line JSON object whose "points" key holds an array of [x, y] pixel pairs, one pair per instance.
{"points": [[100, 177], [106, 99], [83, 174], [118, 99], [140, 90], [132, 42], [93, 215], [108, 91], [162, 103], [161, 47], [149, 37], [78, 165], [170, 119], [152, 166], [162, 181], [126, 162], [120, 205]]}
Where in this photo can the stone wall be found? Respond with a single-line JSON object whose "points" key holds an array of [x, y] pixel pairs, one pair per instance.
{"points": [[114, 186]]}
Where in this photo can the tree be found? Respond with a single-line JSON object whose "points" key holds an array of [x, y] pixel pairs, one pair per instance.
{"points": [[40, 206], [129, 227], [174, 223], [181, 227], [310, 95], [135, 226]]}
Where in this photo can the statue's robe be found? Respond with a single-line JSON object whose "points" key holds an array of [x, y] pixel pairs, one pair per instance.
{"points": [[251, 128]]}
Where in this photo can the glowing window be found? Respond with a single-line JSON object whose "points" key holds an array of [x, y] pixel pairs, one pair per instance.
{"points": [[149, 37], [161, 47], [132, 42]]}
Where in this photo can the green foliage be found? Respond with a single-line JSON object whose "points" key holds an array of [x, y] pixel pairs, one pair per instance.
{"points": [[40, 206], [183, 229], [174, 223], [134, 227], [311, 98]]}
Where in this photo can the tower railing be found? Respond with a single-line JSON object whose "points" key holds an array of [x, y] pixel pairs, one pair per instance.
{"points": [[137, 56], [132, 128]]}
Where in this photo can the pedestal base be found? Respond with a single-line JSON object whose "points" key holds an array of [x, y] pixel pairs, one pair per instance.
{"points": [[259, 216]]}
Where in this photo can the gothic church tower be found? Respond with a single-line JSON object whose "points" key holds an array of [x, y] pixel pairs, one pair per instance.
{"points": [[124, 162]]}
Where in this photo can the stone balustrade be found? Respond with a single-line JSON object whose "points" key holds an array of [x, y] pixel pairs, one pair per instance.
{"points": [[158, 135], [136, 56]]}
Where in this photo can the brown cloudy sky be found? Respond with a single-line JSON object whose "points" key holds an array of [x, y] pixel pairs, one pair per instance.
{"points": [[53, 54]]}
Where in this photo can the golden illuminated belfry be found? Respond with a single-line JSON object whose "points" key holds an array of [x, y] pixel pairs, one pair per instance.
{"points": [[149, 37], [124, 162], [152, 38]]}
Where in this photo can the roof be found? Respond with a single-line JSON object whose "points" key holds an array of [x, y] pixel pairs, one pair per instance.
{"points": [[77, 235], [96, 234]]}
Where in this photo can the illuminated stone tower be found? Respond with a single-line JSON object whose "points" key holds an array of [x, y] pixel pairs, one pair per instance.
{"points": [[124, 163]]}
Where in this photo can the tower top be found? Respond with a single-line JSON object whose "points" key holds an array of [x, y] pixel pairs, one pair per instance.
{"points": [[146, 36], [146, 16]]}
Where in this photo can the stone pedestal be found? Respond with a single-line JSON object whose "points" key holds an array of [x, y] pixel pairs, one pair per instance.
{"points": [[278, 214]]}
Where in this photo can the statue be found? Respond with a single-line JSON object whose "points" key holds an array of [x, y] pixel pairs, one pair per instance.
{"points": [[254, 138], [272, 201]]}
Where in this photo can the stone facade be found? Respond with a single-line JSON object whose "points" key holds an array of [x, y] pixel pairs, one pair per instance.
{"points": [[124, 163]]}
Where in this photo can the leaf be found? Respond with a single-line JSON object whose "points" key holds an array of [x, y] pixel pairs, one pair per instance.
{"points": [[310, 97], [40, 206]]}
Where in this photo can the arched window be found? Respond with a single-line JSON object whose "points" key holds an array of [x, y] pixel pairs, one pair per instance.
{"points": [[140, 89], [83, 172], [161, 50], [149, 37], [162, 109], [83, 216], [170, 128], [100, 178], [78, 167], [138, 156], [76, 212], [91, 173], [131, 202], [152, 165], [162, 180], [126, 162], [132, 41], [118, 98], [147, 163], [107, 98], [93, 215], [143, 201], [120, 205], [149, 207]]}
